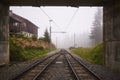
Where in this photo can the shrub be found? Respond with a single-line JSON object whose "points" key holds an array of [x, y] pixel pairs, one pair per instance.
{"points": [[15, 51]]}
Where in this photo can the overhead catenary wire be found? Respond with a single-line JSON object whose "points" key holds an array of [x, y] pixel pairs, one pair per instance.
{"points": [[73, 16], [45, 13], [49, 17], [70, 21]]}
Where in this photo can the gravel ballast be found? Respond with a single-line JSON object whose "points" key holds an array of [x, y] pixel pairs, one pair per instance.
{"points": [[8, 71]]}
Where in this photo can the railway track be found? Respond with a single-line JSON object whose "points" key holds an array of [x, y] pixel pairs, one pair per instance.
{"points": [[80, 71], [60, 66], [36, 69]]}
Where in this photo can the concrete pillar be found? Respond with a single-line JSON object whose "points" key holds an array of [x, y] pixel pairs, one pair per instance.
{"points": [[4, 34], [112, 34]]}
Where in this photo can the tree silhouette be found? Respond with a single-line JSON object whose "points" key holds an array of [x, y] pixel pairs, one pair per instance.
{"points": [[46, 36], [96, 35]]}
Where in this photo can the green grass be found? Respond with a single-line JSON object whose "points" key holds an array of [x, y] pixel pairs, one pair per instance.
{"points": [[34, 53], [94, 55], [28, 54]]}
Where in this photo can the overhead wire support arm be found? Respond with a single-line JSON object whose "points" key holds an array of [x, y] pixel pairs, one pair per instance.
{"points": [[58, 32]]}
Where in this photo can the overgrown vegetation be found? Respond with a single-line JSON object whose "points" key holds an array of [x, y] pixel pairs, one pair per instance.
{"points": [[22, 49], [94, 55]]}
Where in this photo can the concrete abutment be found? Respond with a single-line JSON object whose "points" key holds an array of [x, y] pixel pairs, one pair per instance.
{"points": [[4, 34], [112, 34]]}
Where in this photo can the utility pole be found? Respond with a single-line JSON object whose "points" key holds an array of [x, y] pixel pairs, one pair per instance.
{"points": [[50, 40], [56, 42], [50, 36], [74, 40]]}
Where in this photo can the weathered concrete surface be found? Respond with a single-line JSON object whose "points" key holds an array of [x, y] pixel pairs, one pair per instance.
{"points": [[55, 2], [4, 35], [112, 34]]}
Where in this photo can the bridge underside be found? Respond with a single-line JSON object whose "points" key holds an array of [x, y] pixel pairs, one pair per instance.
{"points": [[111, 26], [54, 2]]}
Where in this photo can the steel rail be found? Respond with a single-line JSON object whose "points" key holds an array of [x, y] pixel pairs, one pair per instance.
{"points": [[30, 67], [40, 73], [71, 67], [91, 72]]}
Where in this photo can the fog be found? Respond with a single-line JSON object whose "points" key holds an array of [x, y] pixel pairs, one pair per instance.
{"points": [[75, 22], [73, 40]]}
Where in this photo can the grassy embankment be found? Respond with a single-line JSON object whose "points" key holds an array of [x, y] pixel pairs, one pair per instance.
{"points": [[94, 55], [22, 49]]}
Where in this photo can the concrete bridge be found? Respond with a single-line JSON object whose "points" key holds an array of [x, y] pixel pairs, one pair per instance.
{"points": [[111, 16]]}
